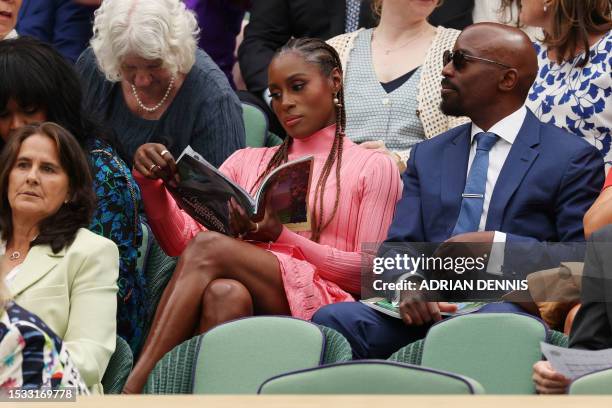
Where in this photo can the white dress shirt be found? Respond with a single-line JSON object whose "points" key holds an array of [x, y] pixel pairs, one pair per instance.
{"points": [[507, 129]]}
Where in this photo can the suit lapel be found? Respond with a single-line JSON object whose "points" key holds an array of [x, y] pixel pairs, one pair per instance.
{"points": [[39, 262], [454, 169], [519, 160]]}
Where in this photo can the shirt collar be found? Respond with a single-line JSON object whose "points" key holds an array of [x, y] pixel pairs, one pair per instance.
{"points": [[12, 34], [507, 128]]}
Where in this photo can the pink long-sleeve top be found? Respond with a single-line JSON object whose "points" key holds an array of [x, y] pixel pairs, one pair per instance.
{"points": [[370, 189]]}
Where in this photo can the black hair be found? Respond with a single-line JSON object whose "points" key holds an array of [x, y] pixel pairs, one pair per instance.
{"points": [[34, 75], [323, 55]]}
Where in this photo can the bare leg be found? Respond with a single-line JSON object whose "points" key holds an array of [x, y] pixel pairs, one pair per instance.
{"points": [[208, 256], [224, 300]]}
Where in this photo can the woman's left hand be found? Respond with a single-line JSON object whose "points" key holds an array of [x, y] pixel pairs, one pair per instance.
{"points": [[380, 146], [267, 229]]}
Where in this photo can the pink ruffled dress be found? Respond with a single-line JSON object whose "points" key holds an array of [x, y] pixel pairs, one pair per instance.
{"points": [[314, 274]]}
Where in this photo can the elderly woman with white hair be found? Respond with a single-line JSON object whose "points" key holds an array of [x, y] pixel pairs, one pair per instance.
{"points": [[145, 76]]}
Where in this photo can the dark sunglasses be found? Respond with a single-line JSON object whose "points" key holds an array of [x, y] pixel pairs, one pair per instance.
{"points": [[460, 58]]}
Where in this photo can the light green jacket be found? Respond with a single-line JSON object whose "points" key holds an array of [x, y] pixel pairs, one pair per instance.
{"points": [[74, 293]]}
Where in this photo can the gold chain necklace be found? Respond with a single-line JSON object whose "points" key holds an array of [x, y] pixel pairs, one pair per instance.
{"points": [[390, 50]]}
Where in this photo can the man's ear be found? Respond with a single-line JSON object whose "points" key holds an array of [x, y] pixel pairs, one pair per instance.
{"points": [[509, 80]]}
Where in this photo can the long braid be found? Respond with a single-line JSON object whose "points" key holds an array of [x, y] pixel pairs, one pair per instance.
{"points": [[318, 52]]}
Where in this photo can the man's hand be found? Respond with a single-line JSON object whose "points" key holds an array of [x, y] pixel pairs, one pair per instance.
{"points": [[415, 310], [547, 380]]}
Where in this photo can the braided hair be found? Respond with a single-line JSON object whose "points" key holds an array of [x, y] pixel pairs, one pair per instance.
{"points": [[318, 52]]}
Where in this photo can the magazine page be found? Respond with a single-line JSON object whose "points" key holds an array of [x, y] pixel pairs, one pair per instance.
{"points": [[287, 189], [573, 363], [204, 192]]}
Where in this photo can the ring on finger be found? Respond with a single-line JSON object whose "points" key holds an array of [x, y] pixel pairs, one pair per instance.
{"points": [[164, 152], [152, 167]]}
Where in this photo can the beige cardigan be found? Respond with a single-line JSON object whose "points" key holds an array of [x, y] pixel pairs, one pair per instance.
{"points": [[433, 120]]}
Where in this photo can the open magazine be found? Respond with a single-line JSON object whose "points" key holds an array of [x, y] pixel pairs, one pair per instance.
{"points": [[204, 193], [385, 306]]}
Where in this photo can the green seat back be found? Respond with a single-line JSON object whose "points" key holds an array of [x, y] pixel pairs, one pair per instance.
{"points": [[255, 125], [118, 368], [370, 377], [496, 349], [598, 383], [337, 348], [236, 357], [173, 374]]}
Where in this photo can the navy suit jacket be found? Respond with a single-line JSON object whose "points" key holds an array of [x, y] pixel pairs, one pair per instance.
{"points": [[62, 23], [547, 183]]}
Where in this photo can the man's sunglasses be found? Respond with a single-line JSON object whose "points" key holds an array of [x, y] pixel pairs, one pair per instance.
{"points": [[460, 58]]}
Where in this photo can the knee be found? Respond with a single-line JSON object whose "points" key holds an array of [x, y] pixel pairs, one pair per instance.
{"points": [[227, 292], [331, 315], [207, 249]]}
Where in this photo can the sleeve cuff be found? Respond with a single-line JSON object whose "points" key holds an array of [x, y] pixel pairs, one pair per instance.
{"points": [[496, 258], [395, 295]]}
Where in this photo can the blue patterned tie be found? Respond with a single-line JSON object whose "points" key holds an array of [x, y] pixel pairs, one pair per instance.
{"points": [[351, 22], [473, 195]]}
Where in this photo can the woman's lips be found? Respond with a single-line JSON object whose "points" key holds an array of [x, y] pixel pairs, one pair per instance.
{"points": [[31, 194], [292, 120]]}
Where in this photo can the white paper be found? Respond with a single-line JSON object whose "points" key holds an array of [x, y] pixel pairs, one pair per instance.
{"points": [[573, 363]]}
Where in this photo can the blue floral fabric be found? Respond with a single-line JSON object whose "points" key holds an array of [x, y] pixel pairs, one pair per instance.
{"points": [[575, 98], [117, 218]]}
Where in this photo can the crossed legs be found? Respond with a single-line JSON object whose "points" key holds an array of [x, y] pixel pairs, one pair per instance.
{"points": [[217, 279]]}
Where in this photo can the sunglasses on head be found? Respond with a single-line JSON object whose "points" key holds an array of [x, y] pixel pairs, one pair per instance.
{"points": [[460, 58]]}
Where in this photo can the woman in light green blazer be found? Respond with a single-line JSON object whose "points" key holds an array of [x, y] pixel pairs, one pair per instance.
{"points": [[54, 267]]}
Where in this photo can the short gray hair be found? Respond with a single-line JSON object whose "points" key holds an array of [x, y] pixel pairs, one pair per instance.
{"points": [[150, 29]]}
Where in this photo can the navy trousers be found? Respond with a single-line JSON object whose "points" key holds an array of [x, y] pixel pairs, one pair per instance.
{"points": [[372, 334]]}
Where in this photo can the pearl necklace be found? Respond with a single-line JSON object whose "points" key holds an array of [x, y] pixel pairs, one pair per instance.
{"points": [[159, 105]]}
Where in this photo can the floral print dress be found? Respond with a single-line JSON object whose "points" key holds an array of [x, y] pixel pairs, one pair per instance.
{"points": [[117, 218], [32, 356], [577, 99]]}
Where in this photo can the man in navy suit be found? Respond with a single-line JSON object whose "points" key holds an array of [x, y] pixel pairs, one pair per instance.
{"points": [[527, 182]]}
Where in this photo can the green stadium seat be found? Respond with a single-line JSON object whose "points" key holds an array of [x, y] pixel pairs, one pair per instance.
{"points": [[236, 357], [370, 377], [118, 368], [496, 349], [597, 383]]}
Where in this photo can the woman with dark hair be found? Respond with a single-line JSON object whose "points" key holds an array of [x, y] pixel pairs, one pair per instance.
{"points": [[54, 267], [573, 89], [352, 200], [39, 85]]}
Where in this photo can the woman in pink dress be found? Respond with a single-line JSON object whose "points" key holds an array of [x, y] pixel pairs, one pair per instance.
{"points": [[220, 278]]}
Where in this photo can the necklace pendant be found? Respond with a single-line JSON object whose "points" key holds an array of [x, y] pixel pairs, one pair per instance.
{"points": [[15, 255]]}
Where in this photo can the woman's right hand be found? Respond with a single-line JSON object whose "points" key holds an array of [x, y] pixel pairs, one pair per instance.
{"points": [[154, 161]]}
